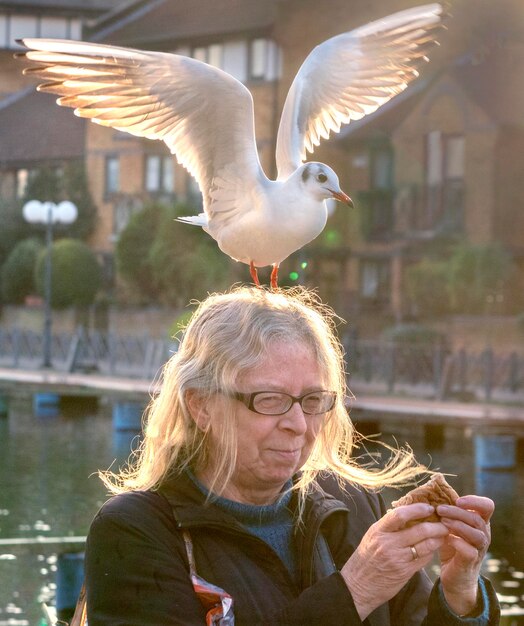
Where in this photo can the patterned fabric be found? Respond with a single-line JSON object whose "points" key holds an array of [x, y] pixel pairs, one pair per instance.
{"points": [[219, 603]]}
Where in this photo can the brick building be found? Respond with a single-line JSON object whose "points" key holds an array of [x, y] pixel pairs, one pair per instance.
{"points": [[444, 157]]}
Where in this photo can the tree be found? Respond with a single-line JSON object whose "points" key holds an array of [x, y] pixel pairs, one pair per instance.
{"points": [[13, 227], [476, 272], [76, 274], [51, 184], [185, 261], [44, 185], [76, 189], [427, 287], [169, 261], [133, 248], [18, 271]]}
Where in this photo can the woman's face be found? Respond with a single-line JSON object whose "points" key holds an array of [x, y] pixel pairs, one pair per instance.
{"points": [[271, 448]]}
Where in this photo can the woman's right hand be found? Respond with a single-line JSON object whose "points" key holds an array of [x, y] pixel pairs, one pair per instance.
{"points": [[389, 555]]}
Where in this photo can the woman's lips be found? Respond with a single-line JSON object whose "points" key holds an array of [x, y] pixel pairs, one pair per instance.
{"points": [[289, 455]]}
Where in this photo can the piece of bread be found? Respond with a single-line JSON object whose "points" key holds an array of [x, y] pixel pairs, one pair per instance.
{"points": [[436, 491]]}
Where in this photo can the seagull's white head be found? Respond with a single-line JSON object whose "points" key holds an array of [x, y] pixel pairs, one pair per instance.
{"points": [[321, 182]]}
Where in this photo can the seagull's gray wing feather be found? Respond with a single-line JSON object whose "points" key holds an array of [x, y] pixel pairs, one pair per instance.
{"points": [[204, 115], [351, 75]]}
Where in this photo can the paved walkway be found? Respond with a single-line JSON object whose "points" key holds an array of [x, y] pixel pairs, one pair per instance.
{"points": [[73, 383], [431, 410], [14, 380]]}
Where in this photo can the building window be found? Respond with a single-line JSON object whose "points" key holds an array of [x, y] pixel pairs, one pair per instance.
{"points": [[264, 60], [13, 27], [257, 60], [159, 174], [22, 180], [376, 204], [381, 163], [214, 55], [168, 175], [112, 175], [375, 280], [4, 34], [194, 195], [444, 182], [200, 54], [234, 59]]}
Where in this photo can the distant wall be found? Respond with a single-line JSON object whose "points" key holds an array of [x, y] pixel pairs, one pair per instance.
{"points": [[474, 333], [155, 322]]}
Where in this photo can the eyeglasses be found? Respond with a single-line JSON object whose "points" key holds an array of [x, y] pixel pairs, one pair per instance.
{"points": [[278, 403]]}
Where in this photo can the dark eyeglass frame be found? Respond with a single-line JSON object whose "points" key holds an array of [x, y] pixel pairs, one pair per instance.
{"points": [[248, 399]]}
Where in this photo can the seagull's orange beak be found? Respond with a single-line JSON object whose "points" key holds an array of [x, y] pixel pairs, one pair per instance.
{"points": [[342, 197]]}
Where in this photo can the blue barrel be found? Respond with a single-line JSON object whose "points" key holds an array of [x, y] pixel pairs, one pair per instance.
{"points": [[495, 452], [46, 404], [4, 406], [501, 486], [125, 442], [127, 416], [69, 578]]}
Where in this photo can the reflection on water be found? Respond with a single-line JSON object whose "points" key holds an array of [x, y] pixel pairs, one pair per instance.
{"points": [[49, 487], [455, 454]]}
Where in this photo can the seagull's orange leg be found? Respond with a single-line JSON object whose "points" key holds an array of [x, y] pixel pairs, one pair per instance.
{"points": [[274, 276], [254, 273]]}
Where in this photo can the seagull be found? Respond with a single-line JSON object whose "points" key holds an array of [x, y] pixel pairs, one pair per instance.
{"points": [[206, 118]]}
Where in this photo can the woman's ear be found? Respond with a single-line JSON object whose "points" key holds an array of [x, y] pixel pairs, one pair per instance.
{"points": [[197, 405]]}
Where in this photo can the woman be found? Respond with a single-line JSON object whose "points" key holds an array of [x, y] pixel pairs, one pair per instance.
{"points": [[250, 412]]}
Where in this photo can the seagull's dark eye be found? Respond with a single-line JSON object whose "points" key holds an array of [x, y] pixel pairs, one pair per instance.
{"points": [[321, 178]]}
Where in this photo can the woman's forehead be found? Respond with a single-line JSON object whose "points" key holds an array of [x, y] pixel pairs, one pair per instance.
{"points": [[283, 362]]}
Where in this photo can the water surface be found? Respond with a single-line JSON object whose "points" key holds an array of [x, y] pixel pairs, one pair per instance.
{"points": [[49, 487]]}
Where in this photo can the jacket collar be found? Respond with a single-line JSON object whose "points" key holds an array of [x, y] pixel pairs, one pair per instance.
{"points": [[191, 509]]}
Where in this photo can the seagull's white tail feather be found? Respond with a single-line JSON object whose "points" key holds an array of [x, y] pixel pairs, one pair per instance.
{"points": [[196, 220]]}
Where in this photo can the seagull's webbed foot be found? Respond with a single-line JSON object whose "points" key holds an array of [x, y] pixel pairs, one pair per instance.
{"points": [[274, 276], [254, 273]]}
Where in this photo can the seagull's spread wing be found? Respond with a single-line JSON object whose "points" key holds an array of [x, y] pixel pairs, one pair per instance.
{"points": [[351, 75], [204, 115]]}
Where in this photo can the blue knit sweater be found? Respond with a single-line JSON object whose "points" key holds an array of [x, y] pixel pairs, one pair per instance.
{"points": [[273, 523]]}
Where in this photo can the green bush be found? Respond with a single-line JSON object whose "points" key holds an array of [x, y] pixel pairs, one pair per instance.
{"points": [[76, 274], [476, 272], [18, 271], [427, 287], [13, 228], [133, 249], [412, 334], [186, 262], [181, 322], [168, 261], [49, 184]]}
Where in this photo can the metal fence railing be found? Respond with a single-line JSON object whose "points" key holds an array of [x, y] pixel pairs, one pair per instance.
{"points": [[385, 365], [137, 356], [396, 366]]}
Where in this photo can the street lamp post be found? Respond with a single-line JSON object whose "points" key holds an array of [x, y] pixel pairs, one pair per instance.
{"points": [[48, 213]]}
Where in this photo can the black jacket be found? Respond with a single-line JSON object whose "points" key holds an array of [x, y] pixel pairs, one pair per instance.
{"points": [[137, 571]]}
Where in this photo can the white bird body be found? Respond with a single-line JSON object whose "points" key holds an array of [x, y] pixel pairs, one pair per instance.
{"points": [[253, 237], [206, 118]]}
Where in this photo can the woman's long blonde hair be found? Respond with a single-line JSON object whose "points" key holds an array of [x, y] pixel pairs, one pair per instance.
{"points": [[228, 334]]}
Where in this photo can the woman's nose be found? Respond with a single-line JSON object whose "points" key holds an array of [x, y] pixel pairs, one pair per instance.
{"points": [[294, 419]]}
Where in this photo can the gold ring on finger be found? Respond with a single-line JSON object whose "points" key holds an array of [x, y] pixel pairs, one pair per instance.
{"points": [[414, 552]]}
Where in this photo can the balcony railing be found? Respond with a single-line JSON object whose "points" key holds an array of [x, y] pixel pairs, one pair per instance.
{"points": [[377, 218], [412, 210]]}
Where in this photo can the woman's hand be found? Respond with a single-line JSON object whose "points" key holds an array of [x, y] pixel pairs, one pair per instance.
{"points": [[389, 554], [463, 551]]}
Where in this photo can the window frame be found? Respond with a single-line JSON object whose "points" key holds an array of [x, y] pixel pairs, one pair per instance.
{"points": [[108, 188]]}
